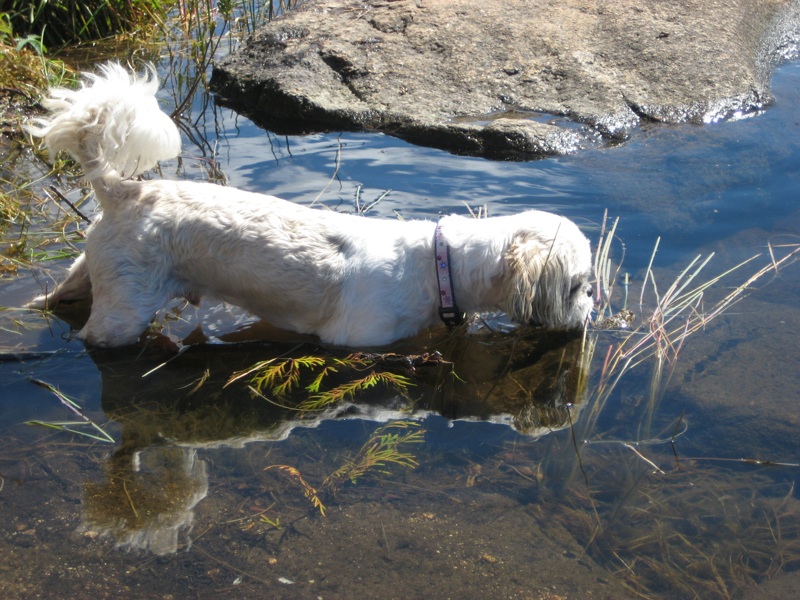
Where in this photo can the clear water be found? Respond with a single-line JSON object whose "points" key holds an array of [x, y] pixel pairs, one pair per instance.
{"points": [[528, 482]]}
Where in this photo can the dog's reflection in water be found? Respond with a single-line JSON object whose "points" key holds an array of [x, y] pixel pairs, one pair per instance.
{"points": [[528, 380], [146, 499]]}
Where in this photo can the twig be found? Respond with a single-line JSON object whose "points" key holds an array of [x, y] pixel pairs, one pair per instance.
{"points": [[374, 202], [234, 568], [647, 460], [385, 541], [749, 461], [335, 171], [649, 267], [66, 201]]}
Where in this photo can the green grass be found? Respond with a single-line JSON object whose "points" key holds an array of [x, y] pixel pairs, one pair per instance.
{"points": [[58, 23], [96, 432]]}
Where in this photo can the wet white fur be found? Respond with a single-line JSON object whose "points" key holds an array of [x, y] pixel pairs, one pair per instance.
{"points": [[352, 280]]}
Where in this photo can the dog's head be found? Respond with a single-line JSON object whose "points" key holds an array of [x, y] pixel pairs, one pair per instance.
{"points": [[549, 270]]}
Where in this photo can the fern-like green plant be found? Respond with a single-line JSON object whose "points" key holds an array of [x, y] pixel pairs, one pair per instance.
{"points": [[308, 491], [278, 376], [276, 379], [379, 452], [348, 391], [284, 376]]}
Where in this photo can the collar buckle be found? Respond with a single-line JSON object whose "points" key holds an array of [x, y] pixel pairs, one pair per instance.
{"points": [[451, 317]]}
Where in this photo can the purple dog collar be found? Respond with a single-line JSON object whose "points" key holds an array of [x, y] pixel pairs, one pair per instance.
{"points": [[448, 311]]}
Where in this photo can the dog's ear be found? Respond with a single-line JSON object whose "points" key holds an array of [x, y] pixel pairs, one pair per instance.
{"points": [[539, 285]]}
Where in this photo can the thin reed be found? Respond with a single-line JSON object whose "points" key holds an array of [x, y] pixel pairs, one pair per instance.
{"points": [[692, 530], [678, 312], [96, 432]]}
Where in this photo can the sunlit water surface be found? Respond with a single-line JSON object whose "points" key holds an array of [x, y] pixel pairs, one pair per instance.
{"points": [[526, 481]]}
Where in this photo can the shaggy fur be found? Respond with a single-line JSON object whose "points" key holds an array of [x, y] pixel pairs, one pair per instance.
{"points": [[351, 280]]}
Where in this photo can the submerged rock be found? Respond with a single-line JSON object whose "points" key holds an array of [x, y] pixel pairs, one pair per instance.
{"points": [[517, 78]]}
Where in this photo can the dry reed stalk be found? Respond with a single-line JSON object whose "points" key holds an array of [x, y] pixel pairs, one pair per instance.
{"points": [[679, 313]]}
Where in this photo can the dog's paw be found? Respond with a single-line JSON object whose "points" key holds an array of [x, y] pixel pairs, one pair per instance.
{"points": [[42, 302]]}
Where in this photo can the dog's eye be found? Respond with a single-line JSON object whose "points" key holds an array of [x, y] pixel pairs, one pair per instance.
{"points": [[576, 288]]}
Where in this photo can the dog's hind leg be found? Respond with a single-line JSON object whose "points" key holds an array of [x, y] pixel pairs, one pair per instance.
{"points": [[77, 286], [120, 318]]}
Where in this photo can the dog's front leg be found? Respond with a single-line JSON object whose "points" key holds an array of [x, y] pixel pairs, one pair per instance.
{"points": [[76, 286]]}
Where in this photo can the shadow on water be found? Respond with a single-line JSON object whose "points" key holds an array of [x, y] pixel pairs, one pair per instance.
{"points": [[477, 465]]}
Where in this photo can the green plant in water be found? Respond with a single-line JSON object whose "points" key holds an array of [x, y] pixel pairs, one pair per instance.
{"points": [[666, 552], [308, 491], [278, 378], [31, 230], [69, 426], [348, 391], [380, 451], [10, 210], [274, 523], [303, 384], [197, 30]]}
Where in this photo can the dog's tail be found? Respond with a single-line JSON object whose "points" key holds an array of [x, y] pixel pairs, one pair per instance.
{"points": [[111, 125]]}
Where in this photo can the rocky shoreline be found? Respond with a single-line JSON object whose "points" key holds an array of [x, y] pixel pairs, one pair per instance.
{"points": [[511, 79]]}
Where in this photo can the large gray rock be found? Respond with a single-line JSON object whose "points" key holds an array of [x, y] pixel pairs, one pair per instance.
{"points": [[506, 77]]}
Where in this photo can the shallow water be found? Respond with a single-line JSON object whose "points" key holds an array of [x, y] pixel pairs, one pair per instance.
{"points": [[529, 482]]}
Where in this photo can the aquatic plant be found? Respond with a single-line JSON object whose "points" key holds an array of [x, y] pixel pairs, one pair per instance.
{"points": [[307, 384], [280, 377], [656, 527], [678, 312], [696, 531], [683, 309], [308, 491], [37, 223], [198, 32], [362, 208], [71, 426], [382, 450]]}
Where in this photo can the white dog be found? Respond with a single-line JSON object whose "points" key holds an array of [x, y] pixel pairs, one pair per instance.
{"points": [[349, 279]]}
